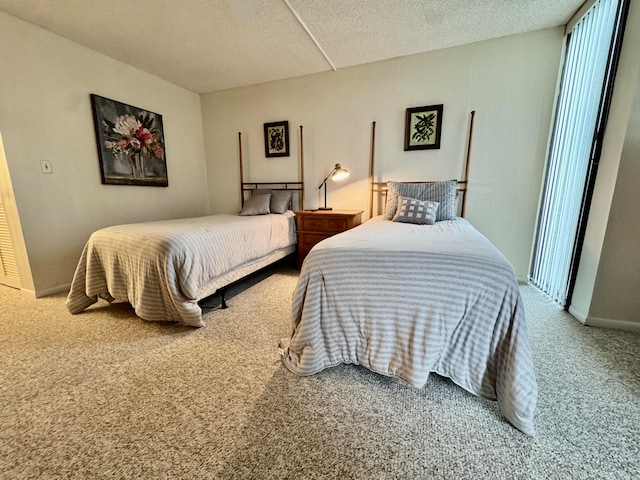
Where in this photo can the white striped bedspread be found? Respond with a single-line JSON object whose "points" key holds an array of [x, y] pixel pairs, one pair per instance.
{"points": [[405, 300], [160, 267]]}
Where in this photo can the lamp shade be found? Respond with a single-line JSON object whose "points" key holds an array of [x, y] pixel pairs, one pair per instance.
{"points": [[339, 173]]}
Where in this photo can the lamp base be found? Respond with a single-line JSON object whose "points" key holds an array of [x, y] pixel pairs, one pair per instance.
{"points": [[325, 208]]}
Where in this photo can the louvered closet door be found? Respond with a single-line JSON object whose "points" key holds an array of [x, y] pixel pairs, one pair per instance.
{"points": [[8, 266]]}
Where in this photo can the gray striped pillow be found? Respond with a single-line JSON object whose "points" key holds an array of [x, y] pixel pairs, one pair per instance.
{"points": [[280, 199], [445, 193]]}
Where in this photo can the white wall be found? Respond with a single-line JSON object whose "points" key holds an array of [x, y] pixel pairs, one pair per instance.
{"points": [[45, 114], [606, 290], [617, 284], [510, 83], [615, 297]]}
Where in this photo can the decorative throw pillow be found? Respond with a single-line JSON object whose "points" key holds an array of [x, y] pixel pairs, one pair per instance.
{"points": [[415, 211], [445, 193], [256, 205], [280, 199]]}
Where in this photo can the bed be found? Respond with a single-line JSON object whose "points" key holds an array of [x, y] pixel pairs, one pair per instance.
{"points": [[405, 299], [165, 268]]}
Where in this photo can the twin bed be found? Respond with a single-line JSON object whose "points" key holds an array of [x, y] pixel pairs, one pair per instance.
{"points": [[414, 291], [407, 300], [163, 269]]}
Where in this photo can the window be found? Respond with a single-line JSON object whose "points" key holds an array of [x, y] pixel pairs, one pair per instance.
{"points": [[592, 52]]}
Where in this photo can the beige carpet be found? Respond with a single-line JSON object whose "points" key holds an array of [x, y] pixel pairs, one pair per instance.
{"points": [[104, 394]]}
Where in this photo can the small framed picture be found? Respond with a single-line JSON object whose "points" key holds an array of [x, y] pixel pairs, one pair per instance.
{"points": [[422, 127], [276, 139]]}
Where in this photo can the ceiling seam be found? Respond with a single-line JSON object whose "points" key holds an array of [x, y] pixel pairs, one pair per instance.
{"points": [[306, 29]]}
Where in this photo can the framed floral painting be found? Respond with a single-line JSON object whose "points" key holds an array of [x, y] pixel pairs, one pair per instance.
{"points": [[422, 128], [276, 139], [130, 144]]}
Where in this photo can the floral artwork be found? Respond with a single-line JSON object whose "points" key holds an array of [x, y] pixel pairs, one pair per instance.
{"points": [[276, 139], [130, 144], [422, 127]]}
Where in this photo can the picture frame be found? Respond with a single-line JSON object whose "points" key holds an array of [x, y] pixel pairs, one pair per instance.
{"points": [[130, 142], [423, 127], [276, 139]]}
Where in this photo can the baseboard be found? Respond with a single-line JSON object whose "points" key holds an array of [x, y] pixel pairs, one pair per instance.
{"points": [[28, 293], [613, 324], [578, 315], [51, 291]]}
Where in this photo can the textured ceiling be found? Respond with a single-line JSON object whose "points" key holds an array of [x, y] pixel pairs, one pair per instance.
{"points": [[210, 45]]}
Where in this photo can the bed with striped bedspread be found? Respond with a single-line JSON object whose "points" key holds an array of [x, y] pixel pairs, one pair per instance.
{"points": [[406, 300], [164, 268]]}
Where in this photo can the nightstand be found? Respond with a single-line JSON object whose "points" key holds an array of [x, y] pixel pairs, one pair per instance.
{"points": [[314, 226]]}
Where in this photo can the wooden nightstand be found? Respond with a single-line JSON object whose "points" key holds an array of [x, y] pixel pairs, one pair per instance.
{"points": [[317, 225]]}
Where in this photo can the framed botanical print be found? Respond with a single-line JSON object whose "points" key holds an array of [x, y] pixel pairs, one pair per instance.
{"points": [[422, 128], [130, 144], [276, 139]]}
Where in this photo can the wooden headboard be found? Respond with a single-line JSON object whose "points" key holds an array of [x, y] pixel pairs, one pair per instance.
{"points": [[380, 188], [295, 186]]}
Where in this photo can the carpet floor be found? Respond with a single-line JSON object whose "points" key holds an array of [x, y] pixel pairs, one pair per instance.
{"points": [[106, 395]]}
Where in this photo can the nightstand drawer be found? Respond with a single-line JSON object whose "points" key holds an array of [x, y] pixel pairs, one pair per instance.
{"points": [[313, 224], [308, 240], [329, 225], [335, 225]]}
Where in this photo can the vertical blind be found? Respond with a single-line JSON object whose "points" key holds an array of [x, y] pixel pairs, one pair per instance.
{"points": [[581, 86]]}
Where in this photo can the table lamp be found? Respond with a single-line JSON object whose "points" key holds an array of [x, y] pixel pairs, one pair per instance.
{"points": [[338, 173]]}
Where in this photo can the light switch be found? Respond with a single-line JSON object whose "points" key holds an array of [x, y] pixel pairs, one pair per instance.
{"points": [[45, 166]]}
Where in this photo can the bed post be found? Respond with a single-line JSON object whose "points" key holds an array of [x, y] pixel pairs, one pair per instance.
{"points": [[466, 164], [241, 177], [301, 169], [223, 300], [371, 168]]}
